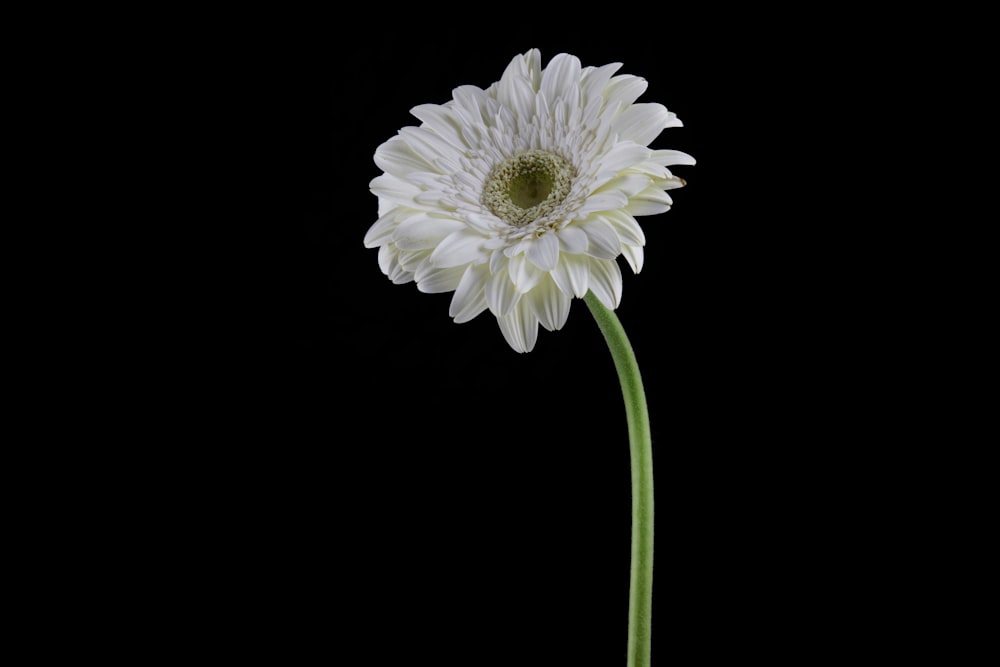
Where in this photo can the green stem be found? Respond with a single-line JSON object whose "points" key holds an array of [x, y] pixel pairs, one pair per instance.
{"points": [[640, 599]]}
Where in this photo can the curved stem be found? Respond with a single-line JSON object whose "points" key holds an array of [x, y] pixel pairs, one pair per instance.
{"points": [[640, 604]]}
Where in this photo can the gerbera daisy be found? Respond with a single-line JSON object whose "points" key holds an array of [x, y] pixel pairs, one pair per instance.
{"points": [[522, 196]]}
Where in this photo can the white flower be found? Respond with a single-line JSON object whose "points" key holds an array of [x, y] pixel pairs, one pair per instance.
{"points": [[522, 196]]}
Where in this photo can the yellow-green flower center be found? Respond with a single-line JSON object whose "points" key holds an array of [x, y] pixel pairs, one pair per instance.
{"points": [[528, 186]]}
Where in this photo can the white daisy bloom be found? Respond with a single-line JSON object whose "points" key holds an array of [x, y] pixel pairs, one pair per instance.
{"points": [[522, 196]]}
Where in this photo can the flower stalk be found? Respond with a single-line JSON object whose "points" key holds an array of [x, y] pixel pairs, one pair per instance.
{"points": [[640, 605]]}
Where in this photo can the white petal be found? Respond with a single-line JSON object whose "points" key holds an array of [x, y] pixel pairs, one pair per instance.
{"points": [[634, 256], [422, 231], [501, 294], [469, 188], [514, 89], [604, 201], [432, 280], [623, 90], [386, 258], [627, 183], [411, 260], [458, 248], [594, 79], [561, 78], [606, 281], [428, 144], [590, 116], [388, 261], [428, 180], [622, 156], [543, 252], [441, 120], [626, 226], [668, 158], [549, 304], [523, 273], [469, 299], [573, 240], [436, 200], [520, 328], [397, 158], [572, 274], [471, 103], [394, 189], [533, 59], [498, 260], [671, 183], [650, 201], [541, 105], [381, 232], [517, 67], [385, 206], [604, 240], [650, 169], [641, 123]]}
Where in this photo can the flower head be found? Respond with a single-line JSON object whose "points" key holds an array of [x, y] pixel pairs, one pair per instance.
{"points": [[522, 196]]}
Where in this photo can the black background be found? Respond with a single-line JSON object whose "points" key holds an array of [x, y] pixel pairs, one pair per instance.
{"points": [[364, 475]]}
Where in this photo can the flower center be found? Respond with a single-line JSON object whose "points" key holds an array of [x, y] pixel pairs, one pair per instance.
{"points": [[527, 186]]}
